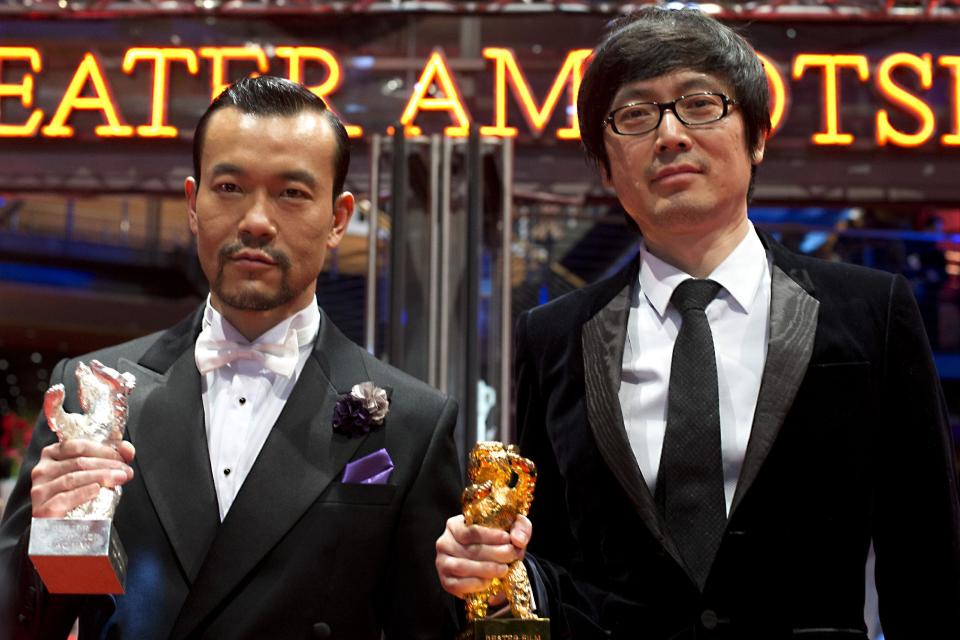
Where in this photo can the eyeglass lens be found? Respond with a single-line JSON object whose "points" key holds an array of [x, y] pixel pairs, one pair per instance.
{"points": [[645, 116]]}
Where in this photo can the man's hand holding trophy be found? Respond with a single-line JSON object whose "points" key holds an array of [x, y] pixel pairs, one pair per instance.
{"points": [[80, 552], [500, 491]]}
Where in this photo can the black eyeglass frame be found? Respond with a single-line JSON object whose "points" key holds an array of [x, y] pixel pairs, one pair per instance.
{"points": [[672, 106]]}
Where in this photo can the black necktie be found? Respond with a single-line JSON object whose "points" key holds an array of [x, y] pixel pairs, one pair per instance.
{"points": [[690, 480]]}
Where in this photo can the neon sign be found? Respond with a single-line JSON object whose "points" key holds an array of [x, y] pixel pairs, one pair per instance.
{"points": [[89, 72], [436, 72], [161, 59], [438, 91], [506, 67]]}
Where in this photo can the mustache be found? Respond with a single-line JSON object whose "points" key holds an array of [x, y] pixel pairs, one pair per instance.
{"points": [[228, 251], [653, 170]]}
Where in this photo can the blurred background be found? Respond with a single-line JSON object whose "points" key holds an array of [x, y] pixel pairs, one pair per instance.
{"points": [[455, 233]]}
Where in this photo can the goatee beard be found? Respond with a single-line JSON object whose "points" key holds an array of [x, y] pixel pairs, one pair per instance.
{"points": [[251, 300]]}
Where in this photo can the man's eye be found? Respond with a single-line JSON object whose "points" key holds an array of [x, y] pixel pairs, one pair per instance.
{"points": [[637, 113], [227, 187], [293, 193], [704, 103]]}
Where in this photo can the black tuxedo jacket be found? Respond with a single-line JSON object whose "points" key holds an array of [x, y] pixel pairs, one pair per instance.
{"points": [[298, 549], [850, 444]]}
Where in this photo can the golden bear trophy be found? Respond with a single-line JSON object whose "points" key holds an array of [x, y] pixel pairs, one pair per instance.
{"points": [[501, 488], [81, 552]]}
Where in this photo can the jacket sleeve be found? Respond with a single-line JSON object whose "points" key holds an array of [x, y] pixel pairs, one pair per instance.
{"points": [[916, 527], [415, 604], [576, 607], [27, 610]]}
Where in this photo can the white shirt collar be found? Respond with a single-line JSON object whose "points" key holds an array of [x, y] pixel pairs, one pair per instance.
{"points": [[740, 274], [305, 322]]}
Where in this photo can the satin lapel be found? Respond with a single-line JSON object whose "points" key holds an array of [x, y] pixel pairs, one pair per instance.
{"points": [[793, 324], [300, 458], [168, 432], [603, 338]]}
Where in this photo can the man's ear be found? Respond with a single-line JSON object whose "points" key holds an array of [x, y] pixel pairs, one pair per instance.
{"points": [[342, 212], [756, 156], [605, 178], [603, 168], [190, 187]]}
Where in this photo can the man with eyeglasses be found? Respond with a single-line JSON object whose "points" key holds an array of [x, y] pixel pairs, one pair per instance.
{"points": [[722, 429]]}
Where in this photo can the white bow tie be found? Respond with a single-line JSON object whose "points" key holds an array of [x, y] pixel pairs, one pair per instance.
{"points": [[212, 354]]}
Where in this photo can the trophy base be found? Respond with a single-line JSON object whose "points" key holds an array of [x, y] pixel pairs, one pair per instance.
{"points": [[78, 556], [507, 629]]}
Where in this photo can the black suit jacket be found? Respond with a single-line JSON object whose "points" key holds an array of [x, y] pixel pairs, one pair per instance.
{"points": [[297, 548], [849, 444]]}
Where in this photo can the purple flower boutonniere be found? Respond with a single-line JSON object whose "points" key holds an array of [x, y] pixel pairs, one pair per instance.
{"points": [[360, 410]]}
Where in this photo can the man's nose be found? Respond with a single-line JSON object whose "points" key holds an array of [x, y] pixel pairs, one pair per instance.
{"points": [[257, 221], [672, 135]]}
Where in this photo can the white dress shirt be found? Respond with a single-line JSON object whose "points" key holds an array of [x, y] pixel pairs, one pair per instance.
{"points": [[242, 399], [738, 319]]}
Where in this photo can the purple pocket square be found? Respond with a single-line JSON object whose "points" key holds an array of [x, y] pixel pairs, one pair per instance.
{"points": [[375, 468]]}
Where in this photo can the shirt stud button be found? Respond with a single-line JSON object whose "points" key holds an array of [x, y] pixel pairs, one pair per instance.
{"points": [[709, 619], [243, 401], [226, 471]]}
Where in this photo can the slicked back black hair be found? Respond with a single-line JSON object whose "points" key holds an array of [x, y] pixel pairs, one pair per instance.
{"points": [[272, 96]]}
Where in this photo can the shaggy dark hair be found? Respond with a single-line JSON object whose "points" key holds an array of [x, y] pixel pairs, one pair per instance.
{"points": [[653, 41], [272, 96]]}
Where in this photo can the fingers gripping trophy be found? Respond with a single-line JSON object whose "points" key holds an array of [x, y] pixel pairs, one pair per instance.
{"points": [[502, 484], [81, 552]]}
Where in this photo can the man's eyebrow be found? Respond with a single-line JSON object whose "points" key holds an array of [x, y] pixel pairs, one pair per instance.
{"points": [[700, 84], [221, 168], [300, 176], [294, 175], [635, 94], [692, 85]]}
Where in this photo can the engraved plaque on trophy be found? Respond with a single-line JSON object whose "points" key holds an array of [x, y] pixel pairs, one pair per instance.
{"points": [[81, 553], [501, 488]]}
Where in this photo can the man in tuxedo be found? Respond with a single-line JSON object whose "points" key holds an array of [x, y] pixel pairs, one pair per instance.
{"points": [[243, 513], [722, 429]]}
